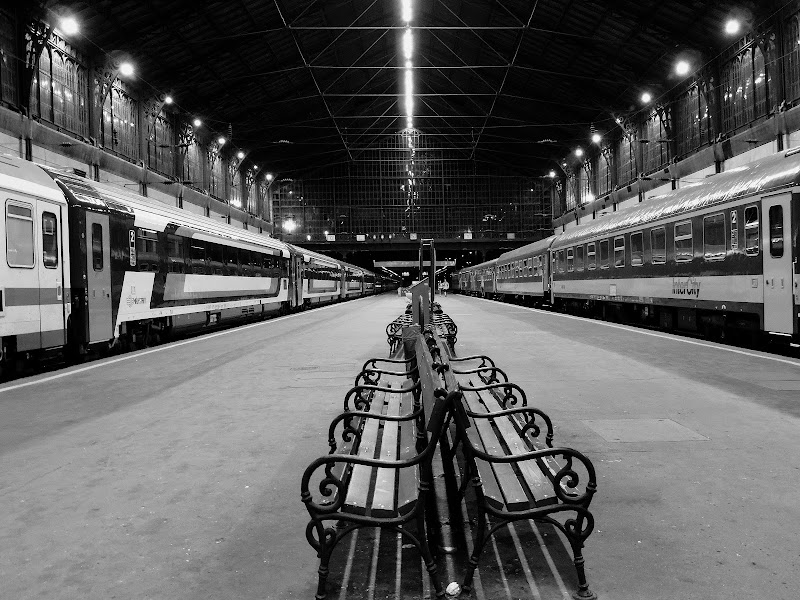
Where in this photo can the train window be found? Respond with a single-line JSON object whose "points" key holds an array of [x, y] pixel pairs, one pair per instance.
{"points": [[175, 253], [49, 241], [97, 246], [603, 254], [776, 231], [619, 251], [714, 237], [214, 255], [658, 244], [751, 231], [147, 250], [561, 268], [579, 258], [637, 249], [231, 260], [197, 254], [591, 256], [19, 235], [684, 248], [570, 260]]}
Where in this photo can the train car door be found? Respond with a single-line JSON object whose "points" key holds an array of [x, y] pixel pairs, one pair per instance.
{"points": [[52, 303], [98, 284], [297, 281], [777, 244]]}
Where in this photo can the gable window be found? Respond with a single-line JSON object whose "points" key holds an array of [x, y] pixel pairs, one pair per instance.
{"points": [[714, 237], [751, 231], [619, 251], [637, 249], [684, 249]]}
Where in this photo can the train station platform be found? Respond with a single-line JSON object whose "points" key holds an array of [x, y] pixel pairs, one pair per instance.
{"points": [[174, 472]]}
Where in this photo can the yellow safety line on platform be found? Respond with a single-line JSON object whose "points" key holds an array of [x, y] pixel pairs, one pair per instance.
{"points": [[169, 346], [794, 363]]}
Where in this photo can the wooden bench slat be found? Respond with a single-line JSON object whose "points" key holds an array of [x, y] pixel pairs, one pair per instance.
{"points": [[361, 476], [383, 497], [537, 479], [512, 491], [408, 478]]}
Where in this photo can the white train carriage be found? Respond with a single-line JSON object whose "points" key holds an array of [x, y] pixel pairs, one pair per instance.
{"points": [[318, 277], [140, 266], [352, 281], [35, 274]]}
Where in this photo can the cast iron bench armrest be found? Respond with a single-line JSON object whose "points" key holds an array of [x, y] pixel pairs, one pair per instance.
{"points": [[361, 402], [484, 359], [373, 362], [349, 432], [529, 415], [565, 477], [487, 369], [369, 380], [508, 393], [331, 483]]}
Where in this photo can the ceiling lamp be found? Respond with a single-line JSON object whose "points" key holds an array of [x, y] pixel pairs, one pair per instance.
{"points": [[552, 174], [408, 44], [597, 138], [221, 140], [682, 67], [268, 176], [406, 8], [168, 100], [646, 98], [197, 122], [240, 155], [732, 26], [69, 26], [126, 69], [578, 151]]}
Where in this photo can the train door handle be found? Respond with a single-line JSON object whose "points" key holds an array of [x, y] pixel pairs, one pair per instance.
{"points": [[58, 291]]}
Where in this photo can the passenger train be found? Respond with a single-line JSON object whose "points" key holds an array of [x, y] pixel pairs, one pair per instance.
{"points": [[719, 256], [91, 265]]}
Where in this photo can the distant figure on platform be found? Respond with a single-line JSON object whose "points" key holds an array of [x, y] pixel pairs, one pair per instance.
{"points": [[444, 287]]}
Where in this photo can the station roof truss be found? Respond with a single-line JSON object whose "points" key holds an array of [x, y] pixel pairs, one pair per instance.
{"points": [[308, 83]]}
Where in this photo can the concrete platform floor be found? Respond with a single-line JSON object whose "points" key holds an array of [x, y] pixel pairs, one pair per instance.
{"points": [[174, 472]]}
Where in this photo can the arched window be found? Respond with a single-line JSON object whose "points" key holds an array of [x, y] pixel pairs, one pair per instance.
{"points": [[792, 58]]}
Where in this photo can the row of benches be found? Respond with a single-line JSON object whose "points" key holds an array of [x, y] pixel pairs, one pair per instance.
{"points": [[378, 472], [444, 326]]}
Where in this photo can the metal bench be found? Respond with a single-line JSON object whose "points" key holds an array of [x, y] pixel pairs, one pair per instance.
{"points": [[378, 472], [515, 471]]}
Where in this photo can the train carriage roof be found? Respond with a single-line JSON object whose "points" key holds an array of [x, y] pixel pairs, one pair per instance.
{"points": [[156, 215], [776, 172], [527, 249]]}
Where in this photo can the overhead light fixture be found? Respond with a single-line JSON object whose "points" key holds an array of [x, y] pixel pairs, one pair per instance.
{"points": [[406, 8], [197, 122], [240, 155], [682, 67], [732, 26], [69, 26], [551, 174], [168, 100], [408, 44], [126, 69], [268, 176], [597, 138], [646, 97], [221, 140], [579, 151], [308, 237]]}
